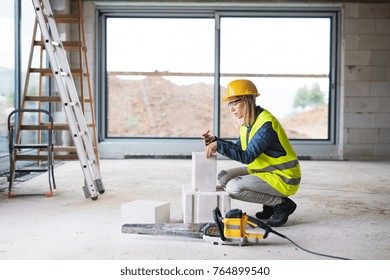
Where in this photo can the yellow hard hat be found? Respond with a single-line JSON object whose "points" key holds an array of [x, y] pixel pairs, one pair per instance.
{"points": [[240, 88]]}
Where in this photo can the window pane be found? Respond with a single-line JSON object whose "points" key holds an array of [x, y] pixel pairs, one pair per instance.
{"points": [[288, 60], [160, 77], [7, 70]]}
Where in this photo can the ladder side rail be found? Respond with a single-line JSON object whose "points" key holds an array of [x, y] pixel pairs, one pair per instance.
{"points": [[90, 96], [75, 105], [63, 91], [13, 148], [83, 53], [72, 91], [73, 96], [26, 82]]}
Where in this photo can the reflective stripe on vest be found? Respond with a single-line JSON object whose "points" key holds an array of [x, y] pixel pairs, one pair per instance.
{"points": [[283, 173]]}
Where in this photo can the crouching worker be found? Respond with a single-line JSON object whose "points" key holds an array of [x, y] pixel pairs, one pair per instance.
{"points": [[272, 173]]}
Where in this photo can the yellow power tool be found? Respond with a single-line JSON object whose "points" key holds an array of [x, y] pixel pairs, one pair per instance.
{"points": [[230, 230]]}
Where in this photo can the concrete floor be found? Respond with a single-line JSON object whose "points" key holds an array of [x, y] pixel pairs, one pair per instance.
{"points": [[343, 210]]}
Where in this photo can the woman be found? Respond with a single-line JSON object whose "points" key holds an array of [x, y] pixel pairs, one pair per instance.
{"points": [[272, 173]]}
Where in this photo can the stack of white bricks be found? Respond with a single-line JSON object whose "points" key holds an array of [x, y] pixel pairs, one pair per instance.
{"points": [[202, 197]]}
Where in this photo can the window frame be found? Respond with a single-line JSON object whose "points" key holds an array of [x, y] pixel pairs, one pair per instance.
{"points": [[307, 148]]}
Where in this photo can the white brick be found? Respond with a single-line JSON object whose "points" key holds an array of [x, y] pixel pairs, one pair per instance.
{"points": [[388, 73], [380, 89], [381, 57], [198, 206], [363, 135], [365, 73], [384, 104], [224, 202], [188, 204], [359, 26], [351, 42], [204, 172], [358, 151], [358, 120], [204, 204], [351, 11], [357, 57], [384, 136], [381, 151], [145, 212], [359, 89], [377, 10], [361, 105], [374, 42], [381, 120], [383, 26]]}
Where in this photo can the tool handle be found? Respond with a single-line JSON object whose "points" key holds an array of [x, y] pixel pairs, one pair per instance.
{"points": [[218, 221], [260, 224]]}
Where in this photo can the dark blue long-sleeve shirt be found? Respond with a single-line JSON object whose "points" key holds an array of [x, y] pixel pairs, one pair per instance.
{"points": [[264, 141]]}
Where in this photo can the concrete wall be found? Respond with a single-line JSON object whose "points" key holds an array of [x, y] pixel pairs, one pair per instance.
{"points": [[366, 97], [365, 75]]}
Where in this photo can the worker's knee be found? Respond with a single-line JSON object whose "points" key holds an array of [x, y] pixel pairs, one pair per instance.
{"points": [[235, 187]]}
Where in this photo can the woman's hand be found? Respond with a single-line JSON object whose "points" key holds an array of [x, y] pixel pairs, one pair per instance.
{"points": [[211, 149]]}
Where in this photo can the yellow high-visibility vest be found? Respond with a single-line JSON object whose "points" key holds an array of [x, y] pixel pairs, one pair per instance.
{"points": [[283, 173]]}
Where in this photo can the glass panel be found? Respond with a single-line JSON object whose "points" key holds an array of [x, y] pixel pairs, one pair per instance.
{"points": [[288, 60], [27, 52], [7, 70], [160, 77]]}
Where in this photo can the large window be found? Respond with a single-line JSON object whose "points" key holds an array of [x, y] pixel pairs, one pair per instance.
{"points": [[7, 70], [164, 72], [288, 59], [156, 76], [16, 32]]}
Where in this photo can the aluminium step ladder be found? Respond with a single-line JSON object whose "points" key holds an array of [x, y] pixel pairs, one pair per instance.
{"points": [[69, 99]]}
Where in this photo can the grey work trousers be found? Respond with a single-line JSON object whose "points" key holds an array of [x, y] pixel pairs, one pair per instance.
{"points": [[246, 187]]}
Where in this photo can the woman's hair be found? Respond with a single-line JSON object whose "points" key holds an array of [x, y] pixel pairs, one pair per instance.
{"points": [[250, 111]]}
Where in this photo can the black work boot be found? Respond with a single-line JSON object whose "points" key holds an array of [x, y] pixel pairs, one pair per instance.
{"points": [[281, 212], [267, 213]]}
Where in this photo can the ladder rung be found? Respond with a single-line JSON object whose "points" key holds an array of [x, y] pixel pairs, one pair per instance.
{"points": [[31, 157], [44, 157], [51, 99], [64, 149], [34, 127], [44, 126], [65, 126], [66, 18], [61, 126], [43, 98], [32, 169], [66, 157], [69, 149], [49, 72], [31, 146], [68, 45]]}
